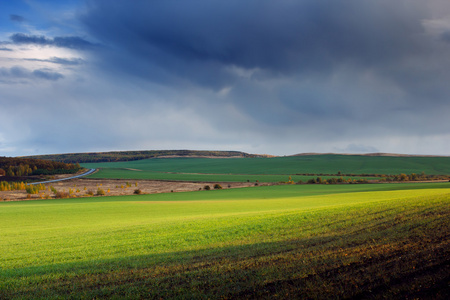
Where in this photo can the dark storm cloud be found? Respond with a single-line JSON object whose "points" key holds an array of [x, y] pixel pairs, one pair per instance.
{"points": [[71, 42], [18, 72], [330, 65], [282, 37]]}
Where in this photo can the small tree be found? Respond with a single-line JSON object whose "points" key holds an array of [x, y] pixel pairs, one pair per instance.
{"points": [[217, 186], [10, 172], [62, 194], [403, 177]]}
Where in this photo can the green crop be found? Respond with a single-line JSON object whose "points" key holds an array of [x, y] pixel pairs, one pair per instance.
{"points": [[225, 243], [276, 169]]}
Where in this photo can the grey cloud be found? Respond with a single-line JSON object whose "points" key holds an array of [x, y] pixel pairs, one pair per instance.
{"points": [[18, 72], [5, 49], [47, 74], [445, 36], [71, 42], [21, 38], [60, 61], [16, 18]]}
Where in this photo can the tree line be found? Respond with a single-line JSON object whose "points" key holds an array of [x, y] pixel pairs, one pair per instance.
{"points": [[382, 178], [20, 167]]}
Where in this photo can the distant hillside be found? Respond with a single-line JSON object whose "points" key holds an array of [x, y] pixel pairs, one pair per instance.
{"points": [[368, 154], [116, 156]]}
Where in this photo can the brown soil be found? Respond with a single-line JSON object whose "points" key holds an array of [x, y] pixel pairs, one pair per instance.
{"points": [[80, 187]]}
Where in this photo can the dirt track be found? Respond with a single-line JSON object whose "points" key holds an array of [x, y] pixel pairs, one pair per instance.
{"points": [[113, 187]]}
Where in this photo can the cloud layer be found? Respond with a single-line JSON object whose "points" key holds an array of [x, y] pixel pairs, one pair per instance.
{"points": [[277, 77]]}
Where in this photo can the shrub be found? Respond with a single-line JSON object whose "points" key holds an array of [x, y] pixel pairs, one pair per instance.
{"points": [[217, 186], [34, 189], [312, 181], [100, 192], [90, 193], [137, 191], [61, 195], [207, 187]]}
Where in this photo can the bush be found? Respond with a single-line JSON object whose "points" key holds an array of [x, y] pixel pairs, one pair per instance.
{"points": [[217, 186], [312, 181], [207, 187], [90, 193], [100, 192], [61, 195], [137, 191]]}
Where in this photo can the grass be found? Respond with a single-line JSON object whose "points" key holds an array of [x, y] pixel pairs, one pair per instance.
{"points": [[267, 169], [302, 241]]}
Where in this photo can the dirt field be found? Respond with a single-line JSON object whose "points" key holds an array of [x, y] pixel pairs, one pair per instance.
{"points": [[112, 187]]}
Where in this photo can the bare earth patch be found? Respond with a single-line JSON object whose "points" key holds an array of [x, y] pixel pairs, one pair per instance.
{"points": [[80, 187]]}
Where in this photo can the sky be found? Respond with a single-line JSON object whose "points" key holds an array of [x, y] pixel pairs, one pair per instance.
{"points": [[260, 76]]}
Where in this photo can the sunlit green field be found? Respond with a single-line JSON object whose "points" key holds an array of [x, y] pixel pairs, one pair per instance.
{"points": [[265, 242]]}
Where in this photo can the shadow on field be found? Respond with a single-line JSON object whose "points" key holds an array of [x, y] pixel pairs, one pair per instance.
{"points": [[372, 263]]}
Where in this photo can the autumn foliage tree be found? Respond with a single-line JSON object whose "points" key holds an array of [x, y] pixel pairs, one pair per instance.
{"points": [[13, 166]]}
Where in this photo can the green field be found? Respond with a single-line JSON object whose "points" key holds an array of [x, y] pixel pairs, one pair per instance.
{"points": [[267, 169], [119, 173], [291, 241]]}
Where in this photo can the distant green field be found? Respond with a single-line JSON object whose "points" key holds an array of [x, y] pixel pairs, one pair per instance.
{"points": [[118, 173], [292, 241], [267, 169], [327, 164]]}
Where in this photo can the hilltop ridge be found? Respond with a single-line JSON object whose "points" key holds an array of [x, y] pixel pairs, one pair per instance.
{"points": [[115, 156], [369, 154]]}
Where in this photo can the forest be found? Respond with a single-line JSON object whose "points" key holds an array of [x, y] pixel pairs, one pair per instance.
{"points": [[22, 167]]}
